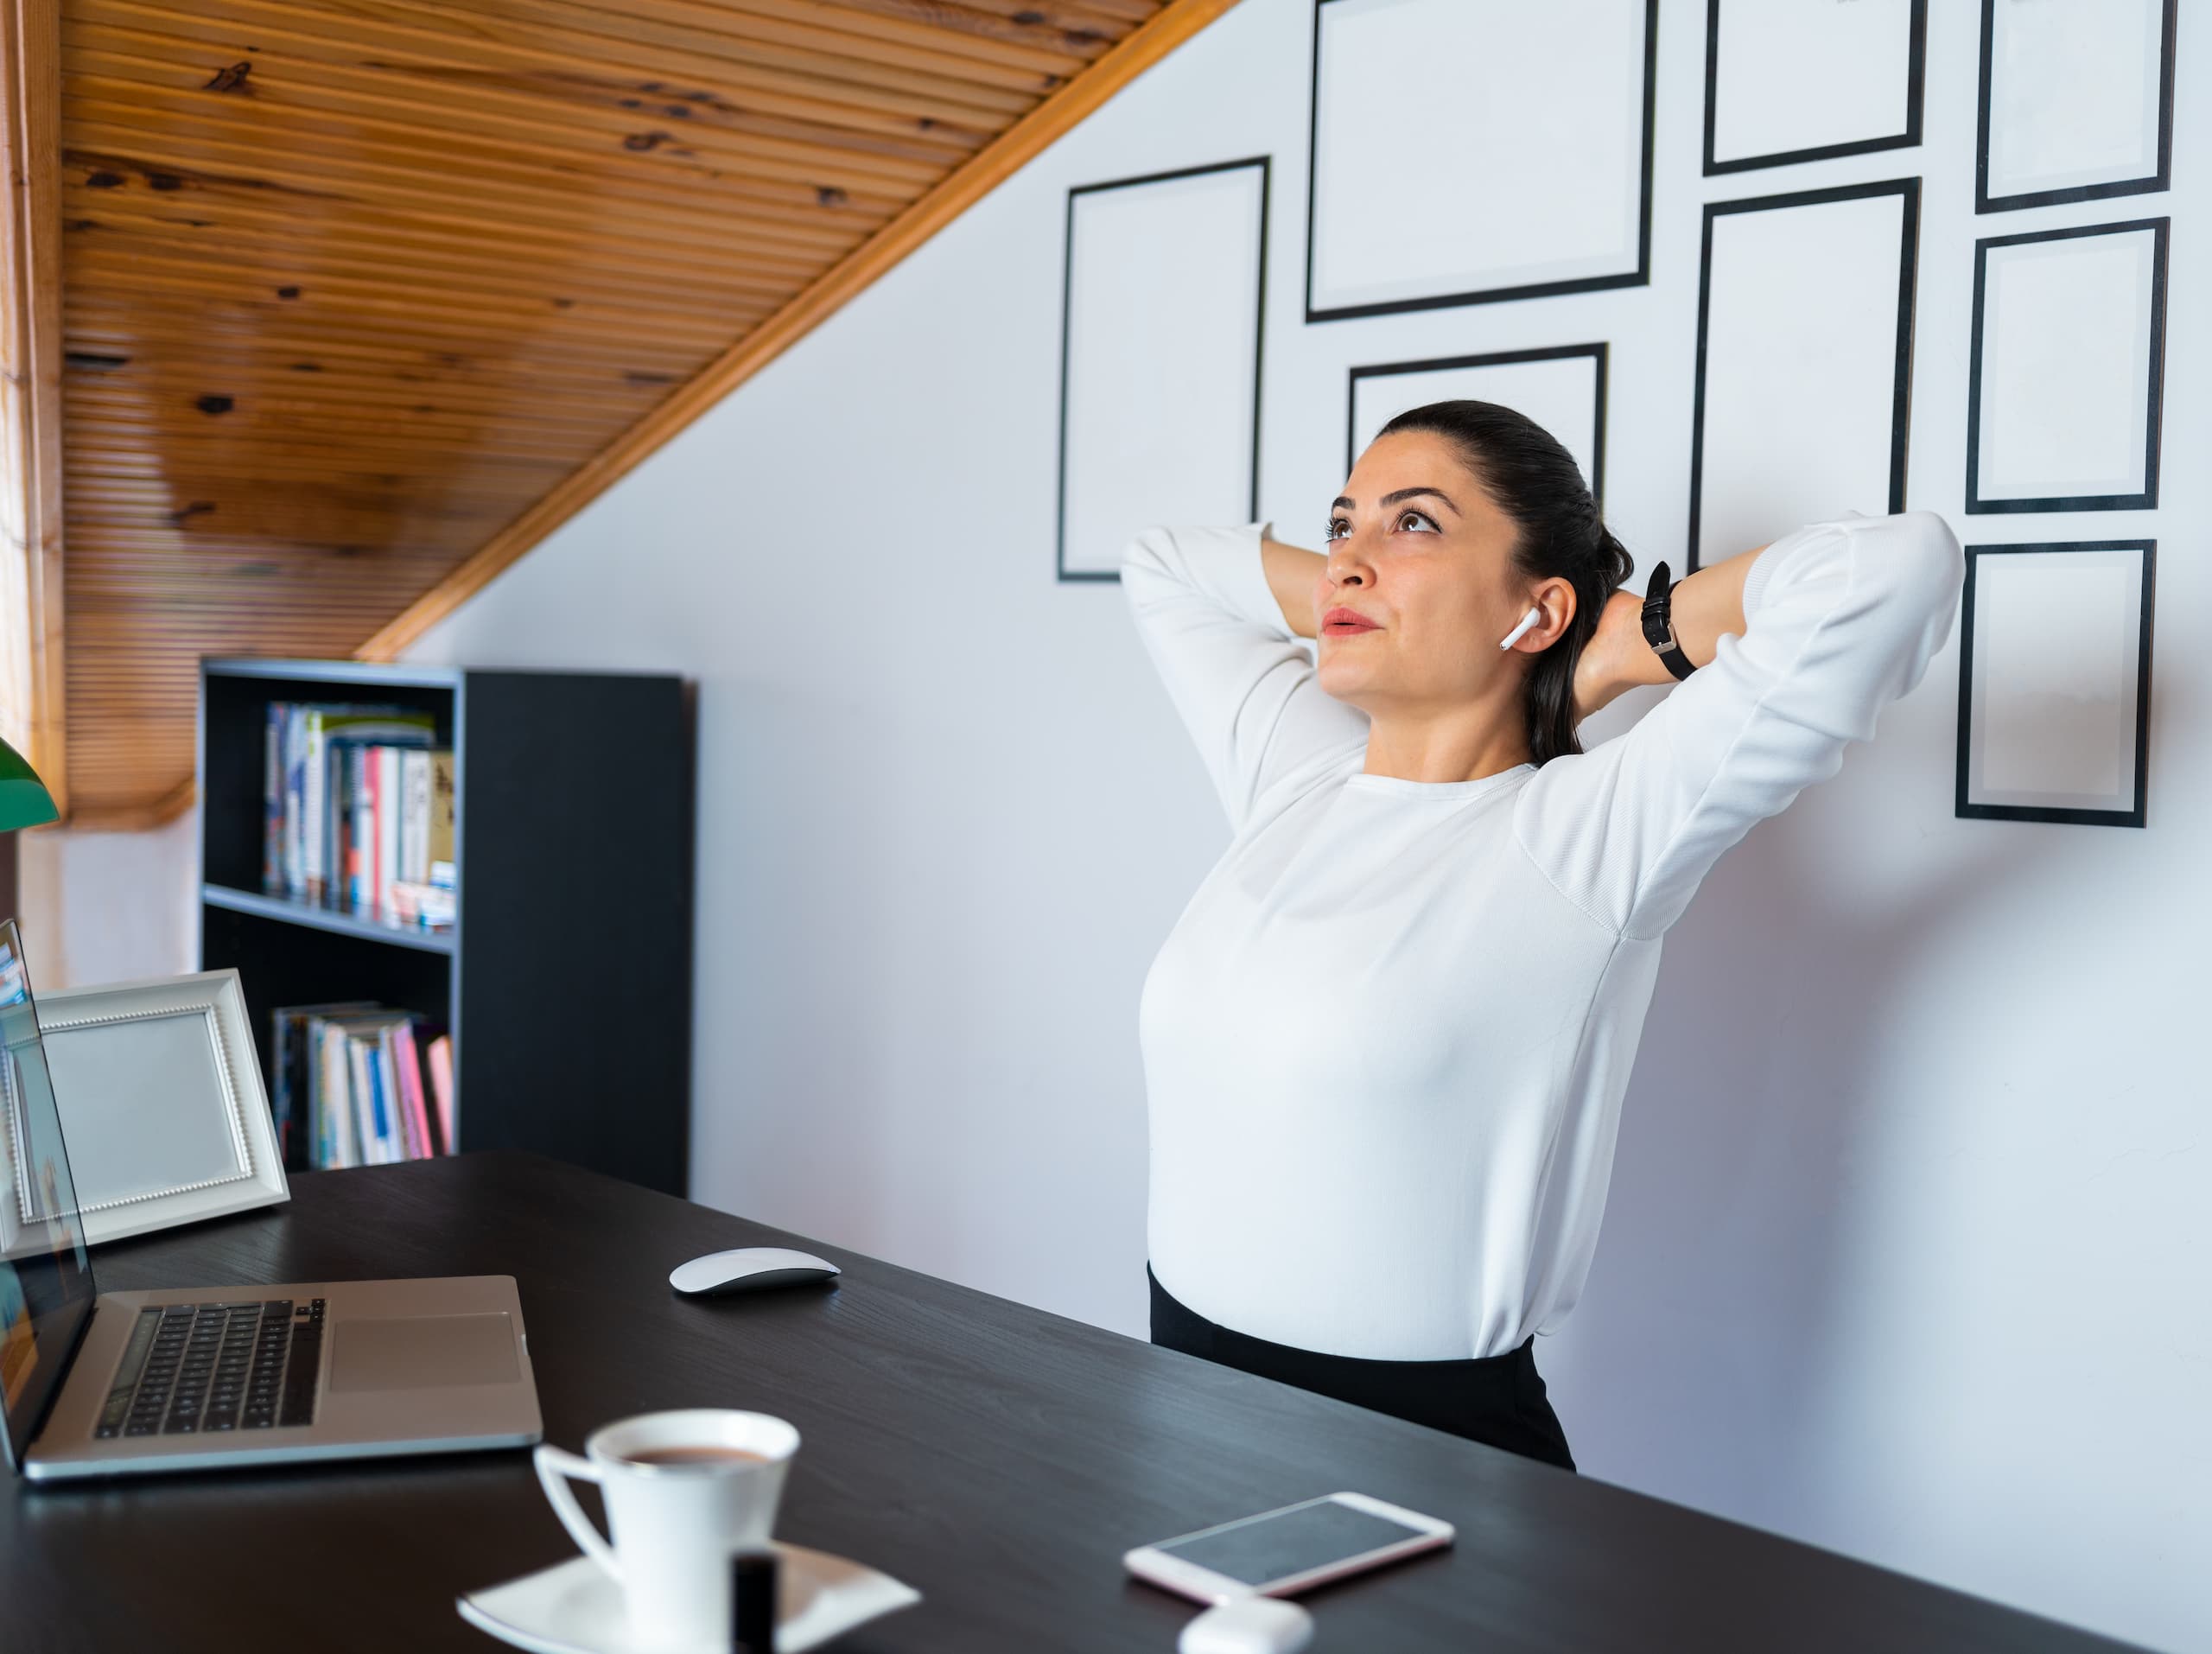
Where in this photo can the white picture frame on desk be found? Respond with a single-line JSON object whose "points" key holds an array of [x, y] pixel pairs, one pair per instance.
{"points": [[161, 1103]]}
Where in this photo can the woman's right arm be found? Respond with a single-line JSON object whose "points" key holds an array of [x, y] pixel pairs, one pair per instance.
{"points": [[1220, 611], [1293, 576]]}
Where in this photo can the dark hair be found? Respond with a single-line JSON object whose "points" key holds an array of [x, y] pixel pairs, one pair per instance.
{"points": [[1536, 483]]}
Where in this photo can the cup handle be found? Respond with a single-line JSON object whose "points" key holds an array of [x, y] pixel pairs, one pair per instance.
{"points": [[554, 1466]]}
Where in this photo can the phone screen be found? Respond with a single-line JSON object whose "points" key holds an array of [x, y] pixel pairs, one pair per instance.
{"points": [[1274, 1546]]}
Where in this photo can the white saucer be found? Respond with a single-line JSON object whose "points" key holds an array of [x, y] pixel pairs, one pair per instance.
{"points": [[576, 1608]]}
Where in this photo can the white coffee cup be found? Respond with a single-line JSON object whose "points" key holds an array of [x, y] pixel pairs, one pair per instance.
{"points": [[676, 1524]]}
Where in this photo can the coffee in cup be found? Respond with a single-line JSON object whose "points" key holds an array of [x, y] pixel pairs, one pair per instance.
{"points": [[704, 1457], [685, 1492]]}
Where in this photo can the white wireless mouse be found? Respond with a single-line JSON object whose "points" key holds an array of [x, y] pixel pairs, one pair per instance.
{"points": [[1251, 1625], [749, 1268]]}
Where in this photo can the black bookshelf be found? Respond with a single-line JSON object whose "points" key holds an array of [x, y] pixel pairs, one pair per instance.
{"points": [[567, 980]]}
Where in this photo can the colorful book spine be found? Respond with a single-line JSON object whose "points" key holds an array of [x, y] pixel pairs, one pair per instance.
{"points": [[438, 860], [431, 905], [391, 804], [407, 1059], [342, 1133], [413, 816], [272, 799], [439, 1061], [386, 1080], [320, 1147], [280, 1090], [370, 803], [385, 1059], [361, 838], [367, 1122], [338, 823], [296, 1060], [337, 800], [307, 738], [295, 814], [318, 871], [357, 1084]]}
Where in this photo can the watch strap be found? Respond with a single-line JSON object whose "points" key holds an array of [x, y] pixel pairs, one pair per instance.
{"points": [[1659, 623]]}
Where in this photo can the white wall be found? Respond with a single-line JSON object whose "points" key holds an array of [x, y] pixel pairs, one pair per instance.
{"points": [[1908, 1248], [109, 907]]}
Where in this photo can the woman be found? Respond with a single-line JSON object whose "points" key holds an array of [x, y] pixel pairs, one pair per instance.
{"points": [[1386, 1042]]}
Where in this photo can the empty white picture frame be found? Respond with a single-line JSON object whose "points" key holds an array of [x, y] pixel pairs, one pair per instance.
{"points": [[1541, 118], [1792, 80], [1159, 358], [1561, 387], [2077, 101], [2055, 682], [2066, 369], [161, 1099], [1804, 362]]}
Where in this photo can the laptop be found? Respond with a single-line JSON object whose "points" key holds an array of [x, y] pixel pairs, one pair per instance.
{"points": [[106, 1383]]}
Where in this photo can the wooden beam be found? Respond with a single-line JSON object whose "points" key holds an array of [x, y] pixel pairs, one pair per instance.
{"points": [[1084, 93], [137, 818], [32, 705]]}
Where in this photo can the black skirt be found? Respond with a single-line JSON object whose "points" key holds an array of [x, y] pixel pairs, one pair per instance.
{"points": [[1498, 1400]]}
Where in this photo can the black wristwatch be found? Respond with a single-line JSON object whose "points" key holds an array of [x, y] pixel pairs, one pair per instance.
{"points": [[1659, 624]]}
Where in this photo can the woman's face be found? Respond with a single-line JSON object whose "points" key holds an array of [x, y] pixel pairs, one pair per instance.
{"points": [[1419, 550]]}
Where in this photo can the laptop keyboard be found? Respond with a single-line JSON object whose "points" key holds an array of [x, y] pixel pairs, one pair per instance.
{"points": [[199, 1369]]}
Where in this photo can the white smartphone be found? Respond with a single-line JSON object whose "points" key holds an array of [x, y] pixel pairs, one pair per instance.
{"points": [[1277, 1553]]}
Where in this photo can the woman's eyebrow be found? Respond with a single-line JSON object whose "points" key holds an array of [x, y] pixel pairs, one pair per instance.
{"points": [[1346, 501]]}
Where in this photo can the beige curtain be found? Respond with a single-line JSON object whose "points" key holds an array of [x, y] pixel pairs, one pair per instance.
{"points": [[31, 683]]}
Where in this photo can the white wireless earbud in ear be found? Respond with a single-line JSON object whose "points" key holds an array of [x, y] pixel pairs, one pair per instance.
{"points": [[1527, 621]]}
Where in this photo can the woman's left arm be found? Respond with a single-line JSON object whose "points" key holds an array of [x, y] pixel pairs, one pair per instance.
{"points": [[1798, 647], [1618, 658]]}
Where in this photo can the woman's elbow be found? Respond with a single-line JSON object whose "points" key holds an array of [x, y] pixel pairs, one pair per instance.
{"points": [[1150, 549], [1927, 562], [1929, 568]]}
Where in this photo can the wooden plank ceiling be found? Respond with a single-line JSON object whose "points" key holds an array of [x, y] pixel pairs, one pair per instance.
{"points": [[361, 296]]}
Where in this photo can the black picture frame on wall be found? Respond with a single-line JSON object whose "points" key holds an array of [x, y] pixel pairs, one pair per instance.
{"points": [[2136, 814], [1915, 94], [1259, 339], [1640, 276], [2146, 497], [1908, 272], [2149, 183], [1597, 350]]}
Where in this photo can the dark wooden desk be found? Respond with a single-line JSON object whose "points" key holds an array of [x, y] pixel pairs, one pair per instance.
{"points": [[998, 1459]]}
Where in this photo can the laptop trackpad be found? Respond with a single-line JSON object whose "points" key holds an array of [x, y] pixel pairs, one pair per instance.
{"points": [[422, 1353]]}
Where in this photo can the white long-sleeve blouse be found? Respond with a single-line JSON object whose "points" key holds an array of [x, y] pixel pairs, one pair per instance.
{"points": [[1385, 1044]]}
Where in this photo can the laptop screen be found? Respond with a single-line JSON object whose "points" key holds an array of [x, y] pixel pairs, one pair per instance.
{"points": [[46, 1280]]}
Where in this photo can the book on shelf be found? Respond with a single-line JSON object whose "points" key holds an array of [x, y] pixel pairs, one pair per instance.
{"points": [[360, 1084], [355, 802], [437, 1062], [431, 905], [290, 1057]]}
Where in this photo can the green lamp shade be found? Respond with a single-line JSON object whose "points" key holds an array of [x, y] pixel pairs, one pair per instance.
{"points": [[24, 801]]}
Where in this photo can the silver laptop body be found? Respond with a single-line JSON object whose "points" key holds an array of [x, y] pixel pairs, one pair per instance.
{"points": [[96, 1383]]}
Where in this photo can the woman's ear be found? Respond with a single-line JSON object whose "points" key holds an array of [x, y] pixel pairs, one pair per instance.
{"points": [[1559, 600], [1554, 610]]}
